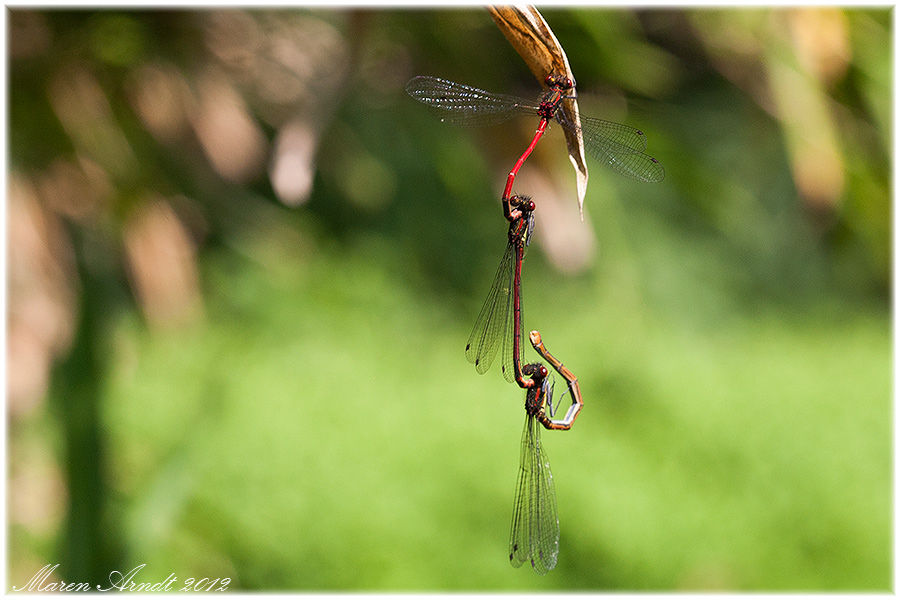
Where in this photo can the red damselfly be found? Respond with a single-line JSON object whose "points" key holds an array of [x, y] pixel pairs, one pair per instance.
{"points": [[500, 319], [534, 533], [617, 146]]}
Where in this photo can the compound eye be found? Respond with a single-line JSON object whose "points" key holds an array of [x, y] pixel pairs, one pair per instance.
{"points": [[543, 371]]}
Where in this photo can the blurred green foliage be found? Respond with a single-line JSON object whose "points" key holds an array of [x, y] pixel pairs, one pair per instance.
{"points": [[315, 426]]}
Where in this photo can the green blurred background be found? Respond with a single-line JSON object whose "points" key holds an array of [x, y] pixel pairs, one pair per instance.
{"points": [[243, 265]]}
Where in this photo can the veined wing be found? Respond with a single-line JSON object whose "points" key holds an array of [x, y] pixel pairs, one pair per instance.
{"points": [[638, 166], [619, 147], [513, 327], [466, 105], [494, 316], [534, 535], [616, 137]]}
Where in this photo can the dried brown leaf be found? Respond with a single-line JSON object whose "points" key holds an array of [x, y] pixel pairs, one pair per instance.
{"points": [[532, 38]]}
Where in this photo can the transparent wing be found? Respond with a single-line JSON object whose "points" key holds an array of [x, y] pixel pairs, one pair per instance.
{"points": [[490, 325], [615, 137], [619, 147], [511, 328], [519, 545], [465, 105], [637, 166], [519, 534], [534, 534], [545, 521]]}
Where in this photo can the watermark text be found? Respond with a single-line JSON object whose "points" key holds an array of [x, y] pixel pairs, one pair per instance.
{"points": [[42, 581]]}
